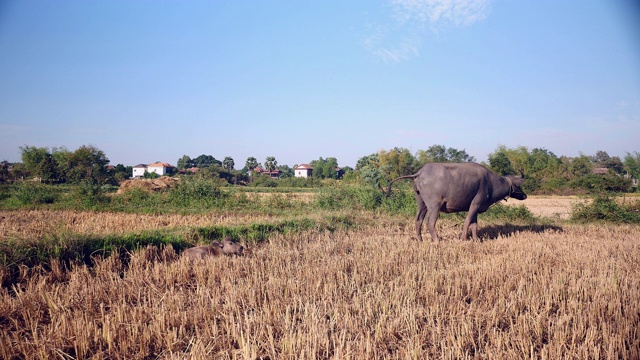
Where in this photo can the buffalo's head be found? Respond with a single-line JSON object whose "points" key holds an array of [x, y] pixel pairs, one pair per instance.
{"points": [[229, 246], [516, 186]]}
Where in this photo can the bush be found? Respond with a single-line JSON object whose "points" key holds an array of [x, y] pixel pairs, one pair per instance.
{"points": [[602, 183], [553, 185], [30, 193], [401, 201], [349, 197], [509, 213], [200, 192], [365, 197], [605, 208], [296, 182], [89, 194], [260, 180], [137, 198]]}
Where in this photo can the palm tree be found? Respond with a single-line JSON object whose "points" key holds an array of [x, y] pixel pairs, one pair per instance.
{"points": [[228, 163], [271, 164], [251, 163]]}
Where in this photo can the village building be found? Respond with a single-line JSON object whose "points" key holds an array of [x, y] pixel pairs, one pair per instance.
{"points": [[275, 174], [303, 170], [160, 168]]}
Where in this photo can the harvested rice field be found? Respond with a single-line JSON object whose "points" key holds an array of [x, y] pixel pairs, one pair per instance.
{"points": [[541, 292]]}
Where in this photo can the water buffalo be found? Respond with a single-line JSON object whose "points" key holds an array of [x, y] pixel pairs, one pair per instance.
{"points": [[225, 247], [455, 187]]}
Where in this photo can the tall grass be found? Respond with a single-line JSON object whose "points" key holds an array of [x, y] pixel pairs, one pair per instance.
{"points": [[365, 197], [367, 294]]}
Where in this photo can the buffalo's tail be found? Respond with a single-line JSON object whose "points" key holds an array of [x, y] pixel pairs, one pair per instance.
{"points": [[388, 193]]}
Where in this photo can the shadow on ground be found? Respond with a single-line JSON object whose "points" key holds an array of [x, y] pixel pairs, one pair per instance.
{"points": [[492, 232]]}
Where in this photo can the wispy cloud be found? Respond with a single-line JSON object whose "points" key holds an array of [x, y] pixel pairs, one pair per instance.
{"points": [[438, 13], [399, 36]]}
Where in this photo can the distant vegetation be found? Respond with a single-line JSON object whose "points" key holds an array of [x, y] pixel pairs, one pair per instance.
{"points": [[546, 173]]}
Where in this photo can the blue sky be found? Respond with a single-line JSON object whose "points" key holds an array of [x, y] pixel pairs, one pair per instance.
{"points": [[149, 81]]}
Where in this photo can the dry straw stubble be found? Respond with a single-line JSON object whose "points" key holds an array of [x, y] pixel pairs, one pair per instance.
{"points": [[364, 294]]}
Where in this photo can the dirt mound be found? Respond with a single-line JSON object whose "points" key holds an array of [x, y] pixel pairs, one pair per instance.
{"points": [[150, 185]]}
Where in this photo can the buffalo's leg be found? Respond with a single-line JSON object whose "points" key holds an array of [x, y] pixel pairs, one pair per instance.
{"points": [[470, 221], [431, 223], [474, 228], [422, 211]]}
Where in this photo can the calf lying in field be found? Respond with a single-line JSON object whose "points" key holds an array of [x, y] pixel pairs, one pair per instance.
{"points": [[225, 247]]}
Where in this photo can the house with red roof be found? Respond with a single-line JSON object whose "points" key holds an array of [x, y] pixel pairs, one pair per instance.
{"points": [[303, 170], [275, 174]]}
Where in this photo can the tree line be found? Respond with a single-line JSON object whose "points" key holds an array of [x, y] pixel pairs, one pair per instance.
{"points": [[60, 165], [545, 172]]}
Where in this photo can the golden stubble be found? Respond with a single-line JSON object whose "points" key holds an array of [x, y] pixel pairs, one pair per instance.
{"points": [[571, 292]]}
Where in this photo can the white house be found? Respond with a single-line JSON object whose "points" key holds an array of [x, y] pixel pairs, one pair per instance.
{"points": [[303, 170], [160, 168], [138, 170]]}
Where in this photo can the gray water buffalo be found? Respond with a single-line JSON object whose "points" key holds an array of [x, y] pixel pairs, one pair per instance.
{"points": [[225, 247], [455, 187]]}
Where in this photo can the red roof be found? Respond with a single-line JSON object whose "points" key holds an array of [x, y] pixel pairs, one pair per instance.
{"points": [[263, 171], [161, 164]]}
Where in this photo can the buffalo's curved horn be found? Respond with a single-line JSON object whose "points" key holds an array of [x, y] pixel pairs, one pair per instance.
{"points": [[521, 173]]}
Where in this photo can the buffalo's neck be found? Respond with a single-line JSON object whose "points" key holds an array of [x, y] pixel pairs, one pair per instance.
{"points": [[502, 189]]}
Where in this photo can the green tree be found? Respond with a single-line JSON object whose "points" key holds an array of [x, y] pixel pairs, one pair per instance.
{"points": [[330, 170], [367, 170], [396, 162], [318, 167], [602, 159], [285, 171], [270, 164], [370, 175], [499, 162], [228, 163], [48, 169], [87, 163], [440, 153], [32, 157], [5, 174], [325, 168], [543, 160], [121, 173], [368, 161], [19, 171], [206, 160], [251, 163], [455, 155], [185, 162], [518, 159], [580, 166], [632, 164]]}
